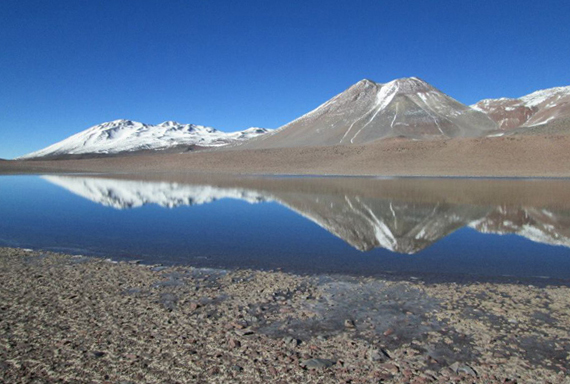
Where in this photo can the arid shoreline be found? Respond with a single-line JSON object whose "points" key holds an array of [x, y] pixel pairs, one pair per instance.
{"points": [[511, 156], [80, 319]]}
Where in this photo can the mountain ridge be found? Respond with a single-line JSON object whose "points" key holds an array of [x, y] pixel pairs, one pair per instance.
{"points": [[368, 111], [127, 136], [537, 108]]}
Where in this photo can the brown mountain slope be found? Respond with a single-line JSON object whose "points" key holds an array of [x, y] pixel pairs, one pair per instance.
{"points": [[536, 109], [369, 111]]}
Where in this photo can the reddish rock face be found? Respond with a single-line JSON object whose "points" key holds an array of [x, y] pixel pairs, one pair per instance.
{"points": [[538, 108], [507, 113]]}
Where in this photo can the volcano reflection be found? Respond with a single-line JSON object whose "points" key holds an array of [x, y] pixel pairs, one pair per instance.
{"points": [[403, 216]]}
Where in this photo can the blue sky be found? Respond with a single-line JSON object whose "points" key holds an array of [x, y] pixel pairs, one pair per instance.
{"points": [[68, 65]]}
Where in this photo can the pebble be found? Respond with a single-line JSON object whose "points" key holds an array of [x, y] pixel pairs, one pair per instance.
{"points": [[457, 367], [233, 343], [378, 355], [393, 369], [291, 341], [348, 323], [244, 332], [317, 363]]}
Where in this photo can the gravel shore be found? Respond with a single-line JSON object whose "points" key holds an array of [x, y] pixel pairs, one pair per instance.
{"points": [[75, 319]]}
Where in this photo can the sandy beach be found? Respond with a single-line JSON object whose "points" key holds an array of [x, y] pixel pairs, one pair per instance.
{"points": [[77, 319], [510, 156]]}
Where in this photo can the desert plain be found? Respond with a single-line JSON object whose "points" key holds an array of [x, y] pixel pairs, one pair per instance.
{"points": [[507, 156]]}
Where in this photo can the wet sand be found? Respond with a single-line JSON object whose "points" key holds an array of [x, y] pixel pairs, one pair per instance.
{"points": [[78, 319], [511, 156]]}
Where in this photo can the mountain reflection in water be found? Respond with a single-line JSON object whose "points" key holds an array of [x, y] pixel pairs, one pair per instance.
{"points": [[401, 215]]}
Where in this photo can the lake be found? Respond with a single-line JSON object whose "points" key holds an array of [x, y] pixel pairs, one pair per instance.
{"points": [[451, 229]]}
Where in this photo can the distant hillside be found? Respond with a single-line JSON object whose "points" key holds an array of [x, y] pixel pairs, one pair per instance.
{"points": [[556, 127], [539, 108]]}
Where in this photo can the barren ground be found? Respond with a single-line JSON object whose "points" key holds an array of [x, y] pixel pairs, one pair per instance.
{"points": [[77, 319], [511, 156]]}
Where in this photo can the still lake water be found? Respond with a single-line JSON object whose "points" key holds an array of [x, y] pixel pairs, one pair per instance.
{"points": [[449, 228]]}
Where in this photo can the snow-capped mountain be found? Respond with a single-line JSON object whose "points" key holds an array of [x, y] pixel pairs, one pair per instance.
{"points": [[365, 112], [537, 108], [129, 136], [368, 111]]}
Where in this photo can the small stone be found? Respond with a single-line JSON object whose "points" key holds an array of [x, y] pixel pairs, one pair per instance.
{"points": [[194, 306], [457, 367], [244, 332], [251, 319], [236, 368], [214, 371], [318, 363], [291, 341], [348, 323], [393, 369], [389, 331], [233, 343], [378, 355], [239, 324]]}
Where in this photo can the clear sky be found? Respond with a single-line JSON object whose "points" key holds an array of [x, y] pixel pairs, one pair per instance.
{"points": [[66, 65]]}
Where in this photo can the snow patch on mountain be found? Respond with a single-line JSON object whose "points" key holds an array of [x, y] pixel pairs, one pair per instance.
{"points": [[537, 108], [126, 136], [539, 97]]}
